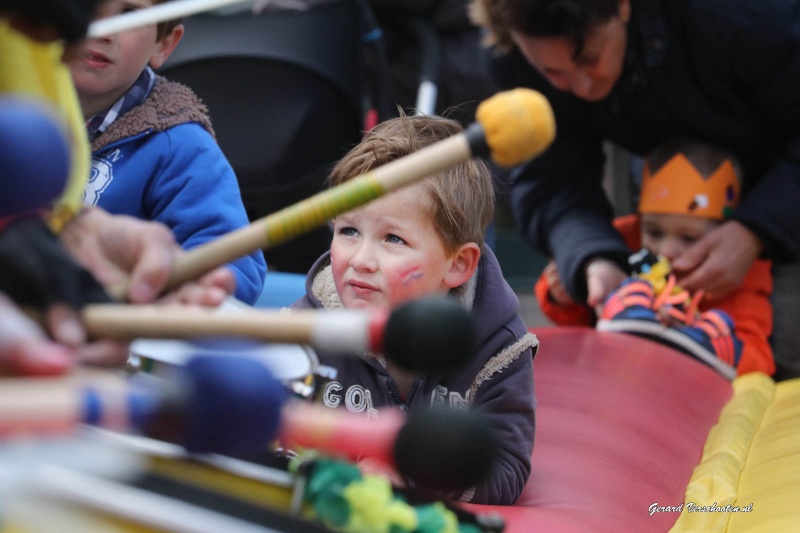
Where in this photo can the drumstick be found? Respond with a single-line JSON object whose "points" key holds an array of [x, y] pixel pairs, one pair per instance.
{"points": [[210, 396], [153, 15], [512, 127], [234, 406], [431, 335], [445, 449], [217, 404]]}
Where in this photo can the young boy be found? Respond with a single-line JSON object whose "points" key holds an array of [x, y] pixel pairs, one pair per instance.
{"points": [[688, 188], [153, 151], [427, 238], [34, 37]]}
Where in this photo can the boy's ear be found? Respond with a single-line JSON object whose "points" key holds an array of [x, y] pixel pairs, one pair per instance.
{"points": [[165, 46], [463, 265]]}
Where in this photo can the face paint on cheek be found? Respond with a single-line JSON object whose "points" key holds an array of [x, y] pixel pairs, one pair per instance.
{"points": [[411, 275]]}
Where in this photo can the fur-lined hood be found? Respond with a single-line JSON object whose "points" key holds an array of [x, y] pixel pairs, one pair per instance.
{"points": [[168, 104]]}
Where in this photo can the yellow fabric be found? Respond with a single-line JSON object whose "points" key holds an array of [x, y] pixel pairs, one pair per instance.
{"points": [[751, 461], [518, 125], [679, 189], [771, 477], [715, 480], [35, 70]]}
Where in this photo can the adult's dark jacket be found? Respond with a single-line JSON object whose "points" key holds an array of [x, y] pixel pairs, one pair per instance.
{"points": [[723, 71]]}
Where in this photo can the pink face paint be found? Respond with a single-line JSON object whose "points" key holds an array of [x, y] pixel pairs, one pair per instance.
{"points": [[410, 275]]}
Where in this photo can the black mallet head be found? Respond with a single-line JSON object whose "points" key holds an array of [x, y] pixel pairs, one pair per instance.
{"points": [[445, 450], [430, 335]]}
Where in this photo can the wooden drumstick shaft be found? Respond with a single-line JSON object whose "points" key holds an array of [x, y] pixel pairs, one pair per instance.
{"points": [[426, 335], [153, 15], [315, 211], [52, 405], [350, 330], [127, 322]]}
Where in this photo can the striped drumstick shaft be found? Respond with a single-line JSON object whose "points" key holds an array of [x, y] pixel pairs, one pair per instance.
{"points": [[315, 211]]}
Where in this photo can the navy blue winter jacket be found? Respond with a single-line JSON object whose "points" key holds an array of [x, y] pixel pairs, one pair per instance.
{"points": [[723, 71], [498, 380]]}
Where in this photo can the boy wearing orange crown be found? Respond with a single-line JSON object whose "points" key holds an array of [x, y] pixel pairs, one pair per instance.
{"points": [[688, 188]]}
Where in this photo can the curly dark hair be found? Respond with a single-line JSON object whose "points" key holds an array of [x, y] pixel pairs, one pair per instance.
{"points": [[572, 19]]}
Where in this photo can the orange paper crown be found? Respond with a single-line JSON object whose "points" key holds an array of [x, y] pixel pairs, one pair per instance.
{"points": [[679, 189]]}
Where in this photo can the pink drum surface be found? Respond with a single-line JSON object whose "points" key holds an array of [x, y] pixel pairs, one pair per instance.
{"points": [[621, 423]]}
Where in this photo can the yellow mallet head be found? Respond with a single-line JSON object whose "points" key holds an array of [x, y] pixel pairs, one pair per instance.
{"points": [[517, 125]]}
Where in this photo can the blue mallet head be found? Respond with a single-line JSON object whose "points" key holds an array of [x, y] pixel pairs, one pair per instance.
{"points": [[236, 406], [215, 404], [34, 157]]}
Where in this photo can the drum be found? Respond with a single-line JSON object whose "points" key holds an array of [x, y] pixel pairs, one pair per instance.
{"points": [[159, 488], [156, 488], [296, 365]]}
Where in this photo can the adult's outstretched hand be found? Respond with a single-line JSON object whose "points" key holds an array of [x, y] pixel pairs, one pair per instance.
{"points": [[719, 261], [116, 248]]}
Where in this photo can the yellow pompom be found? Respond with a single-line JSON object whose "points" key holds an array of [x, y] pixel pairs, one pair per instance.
{"points": [[374, 509], [518, 124]]}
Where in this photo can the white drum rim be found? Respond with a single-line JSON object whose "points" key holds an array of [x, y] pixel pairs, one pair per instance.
{"points": [[286, 361]]}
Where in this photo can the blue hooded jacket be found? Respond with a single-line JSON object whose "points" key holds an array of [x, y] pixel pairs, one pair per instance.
{"points": [[160, 162]]}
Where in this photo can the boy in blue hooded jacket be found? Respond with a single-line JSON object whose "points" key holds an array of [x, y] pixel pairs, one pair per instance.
{"points": [[154, 155]]}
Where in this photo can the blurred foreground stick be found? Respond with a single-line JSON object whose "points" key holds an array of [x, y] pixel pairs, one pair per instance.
{"points": [[512, 127]]}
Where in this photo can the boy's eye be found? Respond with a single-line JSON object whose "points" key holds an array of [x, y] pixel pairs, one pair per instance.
{"points": [[348, 230], [653, 233], [689, 239], [394, 239]]}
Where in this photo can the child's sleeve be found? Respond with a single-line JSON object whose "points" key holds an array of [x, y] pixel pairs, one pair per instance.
{"points": [[751, 311], [197, 196], [505, 393], [572, 314]]}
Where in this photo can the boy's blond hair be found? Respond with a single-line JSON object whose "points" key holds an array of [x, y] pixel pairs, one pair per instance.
{"points": [[460, 199]]}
